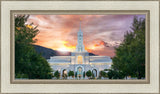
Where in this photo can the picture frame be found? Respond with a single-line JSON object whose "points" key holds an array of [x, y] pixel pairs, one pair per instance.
{"points": [[149, 85], [58, 12]]}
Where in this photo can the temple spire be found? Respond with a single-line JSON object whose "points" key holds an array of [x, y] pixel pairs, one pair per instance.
{"points": [[80, 46], [80, 23]]}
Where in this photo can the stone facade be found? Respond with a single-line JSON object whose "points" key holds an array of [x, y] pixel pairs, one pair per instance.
{"points": [[80, 61]]}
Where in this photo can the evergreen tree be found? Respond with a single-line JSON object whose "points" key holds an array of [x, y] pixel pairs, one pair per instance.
{"points": [[71, 73], [102, 74], [130, 55], [28, 63], [113, 74], [57, 74], [89, 73]]}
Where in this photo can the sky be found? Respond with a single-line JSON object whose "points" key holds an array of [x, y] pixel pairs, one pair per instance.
{"points": [[102, 33]]}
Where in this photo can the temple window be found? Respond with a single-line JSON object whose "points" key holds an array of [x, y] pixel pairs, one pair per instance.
{"points": [[80, 59]]}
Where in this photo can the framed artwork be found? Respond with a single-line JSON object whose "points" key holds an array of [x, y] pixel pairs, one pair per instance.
{"points": [[79, 46]]}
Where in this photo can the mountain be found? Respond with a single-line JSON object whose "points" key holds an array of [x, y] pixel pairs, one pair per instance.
{"points": [[91, 54], [47, 52]]}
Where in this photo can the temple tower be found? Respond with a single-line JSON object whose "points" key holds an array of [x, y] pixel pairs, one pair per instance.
{"points": [[80, 46]]}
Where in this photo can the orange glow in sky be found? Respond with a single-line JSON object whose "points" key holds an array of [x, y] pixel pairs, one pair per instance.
{"points": [[66, 47], [101, 33]]}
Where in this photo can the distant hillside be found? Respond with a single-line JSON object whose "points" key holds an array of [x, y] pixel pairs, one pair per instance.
{"points": [[91, 54], [47, 52]]}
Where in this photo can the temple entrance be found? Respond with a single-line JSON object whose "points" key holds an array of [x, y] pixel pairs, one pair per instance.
{"points": [[79, 73], [64, 75], [94, 72], [80, 60]]}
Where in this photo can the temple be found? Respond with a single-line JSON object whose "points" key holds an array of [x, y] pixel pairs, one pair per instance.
{"points": [[80, 62]]}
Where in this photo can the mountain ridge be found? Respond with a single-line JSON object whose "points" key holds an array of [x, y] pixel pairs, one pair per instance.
{"points": [[47, 52]]}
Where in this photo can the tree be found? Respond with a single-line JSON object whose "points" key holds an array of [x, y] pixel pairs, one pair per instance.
{"points": [[138, 47], [89, 73], [76, 74], [71, 73], [110, 74], [102, 74], [113, 74], [93, 77], [84, 74], [28, 63], [106, 69], [130, 55], [57, 74], [40, 69]]}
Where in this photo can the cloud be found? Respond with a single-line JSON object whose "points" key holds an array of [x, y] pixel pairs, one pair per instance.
{"points": [[101, 31]]}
